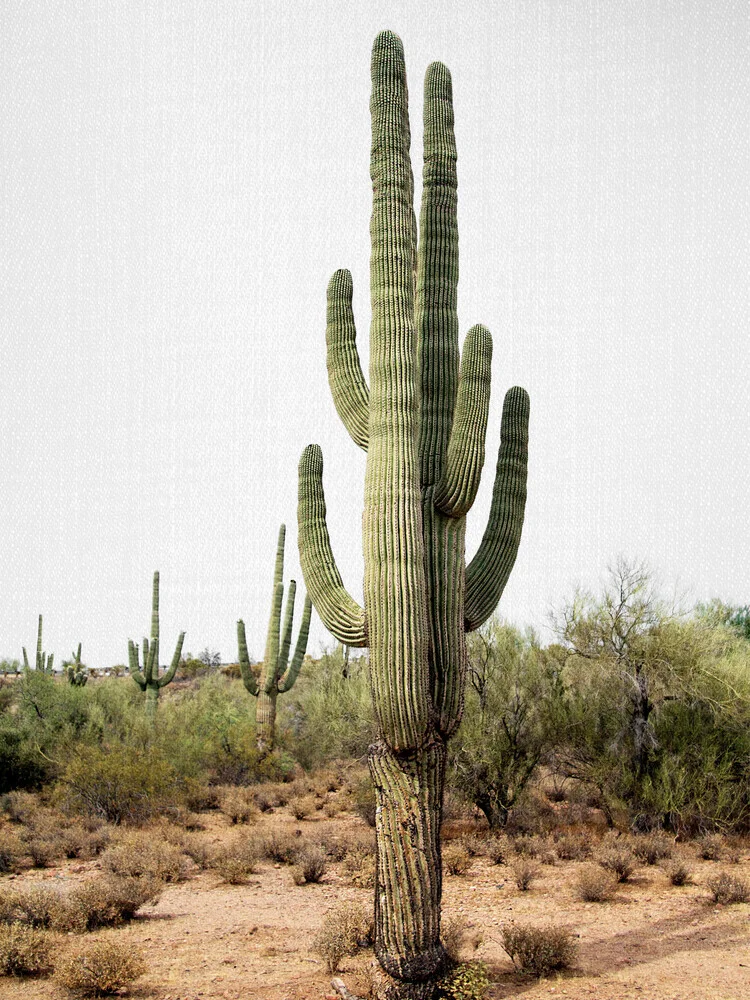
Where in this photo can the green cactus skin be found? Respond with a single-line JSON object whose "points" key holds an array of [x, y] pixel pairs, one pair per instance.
{"points": [[75, 673], [278, 674], [43, 662], [148, 678], [422, 422]]}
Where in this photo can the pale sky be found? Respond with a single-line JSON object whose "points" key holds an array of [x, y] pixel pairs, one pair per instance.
{"points": [[178, 180]]}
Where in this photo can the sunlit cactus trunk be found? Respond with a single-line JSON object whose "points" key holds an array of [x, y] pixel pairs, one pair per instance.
{"points": [[278, 673], [422, 421], [148, 678]]}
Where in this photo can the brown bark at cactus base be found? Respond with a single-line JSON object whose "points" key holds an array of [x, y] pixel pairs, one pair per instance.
{"points": [[265, 721], [409, 791]]}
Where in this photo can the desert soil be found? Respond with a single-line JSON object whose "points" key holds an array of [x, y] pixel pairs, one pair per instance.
{"points": [[205, 940]]}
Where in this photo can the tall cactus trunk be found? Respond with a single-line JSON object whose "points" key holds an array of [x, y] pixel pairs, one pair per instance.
{"points": [[409, 792], [265, 720]]}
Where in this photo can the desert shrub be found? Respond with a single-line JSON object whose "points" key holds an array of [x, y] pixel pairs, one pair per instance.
{"points": [[619, 860], [456, 933], [335, 846], [310, 865], [363, 800], [75, 842], [11, 851], [573, 847], [474, 844], [107, 901], [359, 866], [198, 848], [24, 951], [101, 969], [345, 928], [281, 847], [470, 981], [498, 850], [236, 861], [539, 950], [652, 848], [44, 851], [678, 873], [524, 873], [20, 807], [119, 783], [593, 885], [710, 847], [35, 905], [142, 854], [238, 805], [301, 806], [726, 888], [456, 859]]}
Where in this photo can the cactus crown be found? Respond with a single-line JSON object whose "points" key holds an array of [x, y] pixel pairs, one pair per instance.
{"points": [[278, 673], [147, 678]]}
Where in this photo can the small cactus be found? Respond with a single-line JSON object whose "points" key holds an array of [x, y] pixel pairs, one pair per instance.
{"points": [[43, 661], [148, 678], [278, 674], [75, 671]]}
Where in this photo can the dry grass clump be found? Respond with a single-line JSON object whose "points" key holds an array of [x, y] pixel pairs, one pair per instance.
{"points": [[35, 905], [235, 862], [198, 849], [678, 873], [101, 969], [24, 951], [619, 860], [107, 901], [524, 872], [281, 847], [11, 851], [345, 928], [593, 885], [456, 859], [457, 933], [539, 950], [573, 847], [498, 849], [710, 847], [142, 854], [653, 847], [726, 888], [301, 806], [311, 865], [238, 805]]}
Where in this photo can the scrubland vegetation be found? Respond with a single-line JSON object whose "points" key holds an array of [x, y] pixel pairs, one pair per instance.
{"points": [[615, 757]]}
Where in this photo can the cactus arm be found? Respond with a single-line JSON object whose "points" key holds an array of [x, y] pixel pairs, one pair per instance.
{"points": [[271, 655], [287, 679], [77, 657], [459, 483], [169, 675], [148, 660], [436, 313], [25, 659], [133, 661], [349, 390], [50, 661], [488, 571], [248, 677], [282, 661], [39, 654], [278, 571], [340, 613]]}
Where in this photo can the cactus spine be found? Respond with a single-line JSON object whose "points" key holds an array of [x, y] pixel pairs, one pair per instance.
{"points": [[278, 673], [148, 678], [422, 422], [43, 662]]}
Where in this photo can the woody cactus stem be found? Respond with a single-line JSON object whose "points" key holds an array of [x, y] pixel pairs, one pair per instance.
{"points": [[422, 422], [278, 674], [75, 673], [43, 662], [148, 678]]}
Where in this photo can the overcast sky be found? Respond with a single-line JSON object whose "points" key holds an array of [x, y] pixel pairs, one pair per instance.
{"points": [[179, 179]]}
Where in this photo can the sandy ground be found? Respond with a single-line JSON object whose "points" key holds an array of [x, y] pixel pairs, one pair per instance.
{"points": [[206, 940]]}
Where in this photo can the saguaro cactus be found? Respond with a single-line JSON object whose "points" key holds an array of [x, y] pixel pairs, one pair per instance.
{"points": [[43, 662], [422, 421], [278, 673], [148, 678], [75, 672]]}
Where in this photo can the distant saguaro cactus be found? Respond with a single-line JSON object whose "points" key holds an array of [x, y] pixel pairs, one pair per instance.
{"points": [[43, 662], [277, 674], [75, 672], [422, 421], [148, 678]]}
